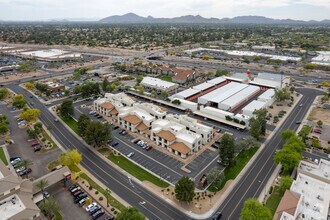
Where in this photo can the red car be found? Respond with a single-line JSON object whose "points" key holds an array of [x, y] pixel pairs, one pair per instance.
{"points": [[148, 148]]}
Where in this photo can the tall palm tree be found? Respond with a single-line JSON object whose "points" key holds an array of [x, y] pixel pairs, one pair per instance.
{"points": [[107, 195], [26, 164], [42, 184], [50, 207]]}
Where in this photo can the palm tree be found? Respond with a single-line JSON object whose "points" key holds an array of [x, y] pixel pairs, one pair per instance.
{"points": [[42, 184], [50, 207], [107, 195], [26, 164]]}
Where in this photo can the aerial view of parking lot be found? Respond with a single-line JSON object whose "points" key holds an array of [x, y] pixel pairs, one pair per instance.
{"points": [[167, 116]]}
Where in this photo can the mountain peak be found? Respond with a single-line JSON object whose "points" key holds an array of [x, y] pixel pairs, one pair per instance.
{"points": [[195, 19]]}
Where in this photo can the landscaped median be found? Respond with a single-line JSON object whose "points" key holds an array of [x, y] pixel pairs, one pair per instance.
{"points": [[3, 156], [71, 123], [112, 201], [231, 172], [133, 169]]}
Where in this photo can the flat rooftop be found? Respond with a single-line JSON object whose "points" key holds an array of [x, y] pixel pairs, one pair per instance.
{"points": [[322, 169], [11, 206], [52, 53], [316, 196], [155, 82]]}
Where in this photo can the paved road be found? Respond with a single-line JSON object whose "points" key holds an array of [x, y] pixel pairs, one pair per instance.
{"points": [[154, 208], [254, 180]]}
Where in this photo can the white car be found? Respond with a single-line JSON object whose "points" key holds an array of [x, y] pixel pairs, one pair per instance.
{"points": [[90, 206], [130, 155], [20, 169], [15, 161]]}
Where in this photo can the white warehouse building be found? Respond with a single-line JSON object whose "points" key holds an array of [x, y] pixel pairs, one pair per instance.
{"points": [[267, 97], [158, 84], [239, 98], [253, 106]]}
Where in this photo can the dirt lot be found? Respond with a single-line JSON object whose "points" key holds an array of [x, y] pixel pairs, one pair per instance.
{"points": [[320, 114], [20, 76]]}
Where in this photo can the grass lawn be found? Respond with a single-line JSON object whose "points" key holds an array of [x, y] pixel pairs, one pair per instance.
{"points": [[58, 216], [53, 164], [3, 156], [166, 78], [274, 200], [71, 123], [113, 202], [136, 171], [231, 172]]}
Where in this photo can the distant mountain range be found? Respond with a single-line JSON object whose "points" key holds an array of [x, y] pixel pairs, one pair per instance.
{"points": [[131, 18]]}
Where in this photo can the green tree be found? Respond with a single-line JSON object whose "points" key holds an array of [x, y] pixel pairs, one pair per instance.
{"points": [[221, 73], [247, 143], [258, 123], [185, 189], [98, 134], [107, 193], [285, 183], [130, 214], [50, 208], [3, 124], [30, 115], [83, 123], [319, 123], [3, 94], [282, 94], [27, 66], [42, 184], [253, 209], [139, 79], [71, 159], [140, 89], [227, 150], [164, 94], [105, 84], [215, 176], [176, 102], [66, 108], [287, 158], [287, 134], [19, 101]]}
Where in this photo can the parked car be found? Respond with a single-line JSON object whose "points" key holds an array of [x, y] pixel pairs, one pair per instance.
{"points": [[96, 115], [80, 197], [46, 194], [24, 172], [145, 146], [124, 132], [114, 144], [15, 160], [74, 189], [73, 186], [130, 155], [98, 214], [48, 103], [77, 193], [92, 112], [90, 206], [217, 216], [99, 117], [18, 164], [136, 141], [120, 132], [37, 148], [94, 209], [82, 202], [215, 146], [148, 148], [115, 127], [109, 217], [20, 169], [219, 131], [317, 130]]}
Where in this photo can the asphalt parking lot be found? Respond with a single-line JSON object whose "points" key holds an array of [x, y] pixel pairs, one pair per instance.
{"points": [[22, 148], [69, 209]]}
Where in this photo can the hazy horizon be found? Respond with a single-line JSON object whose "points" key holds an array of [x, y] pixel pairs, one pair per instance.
{"points": [[43, 10]]}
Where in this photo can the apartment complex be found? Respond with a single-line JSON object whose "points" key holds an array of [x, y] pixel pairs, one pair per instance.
{"points": [[179, 134], [309, 195]]}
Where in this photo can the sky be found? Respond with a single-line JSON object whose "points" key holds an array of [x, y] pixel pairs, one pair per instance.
{"points": [[31, 10]]}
